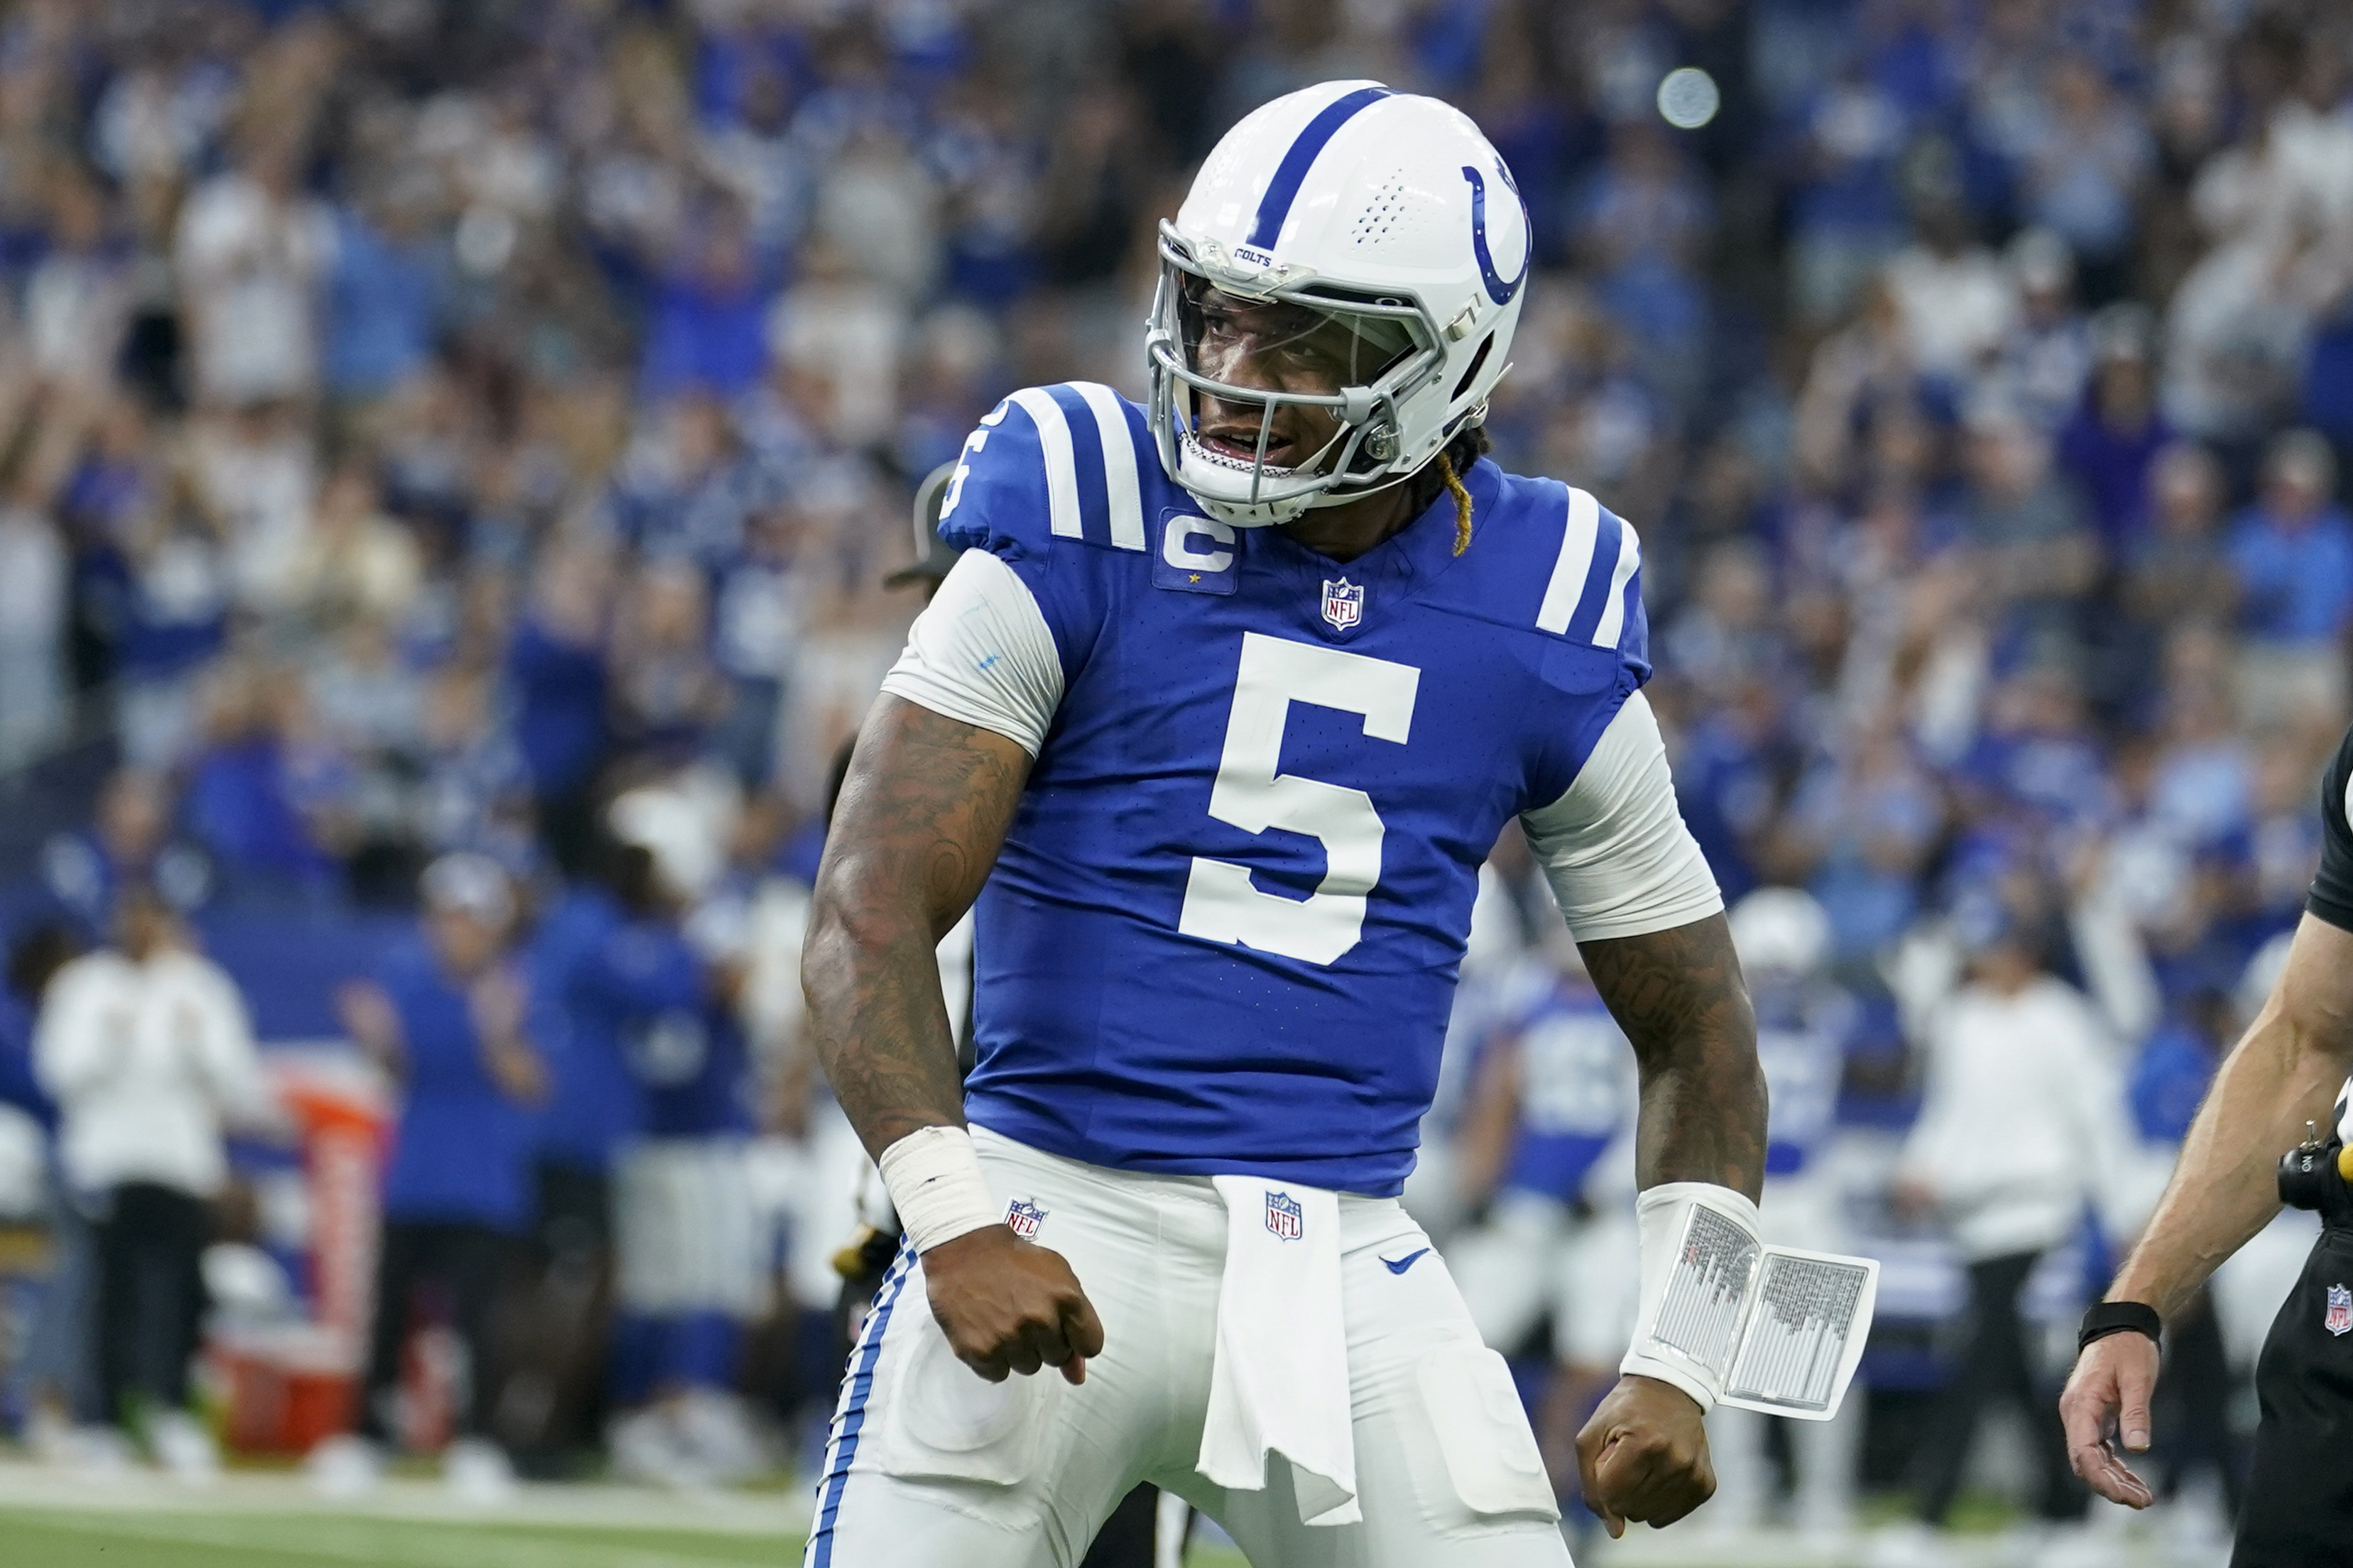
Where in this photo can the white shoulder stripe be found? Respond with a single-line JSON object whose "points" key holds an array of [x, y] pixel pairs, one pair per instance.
{"points": [[1119, 463], [1568, 572], [1612, 625], [1061, 472]]}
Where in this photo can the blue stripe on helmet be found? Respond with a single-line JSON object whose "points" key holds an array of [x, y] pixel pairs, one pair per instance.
{"points": [[1284, 189]]}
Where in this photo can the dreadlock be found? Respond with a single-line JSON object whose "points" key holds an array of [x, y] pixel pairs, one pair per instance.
{"points": [[1454, 460]]}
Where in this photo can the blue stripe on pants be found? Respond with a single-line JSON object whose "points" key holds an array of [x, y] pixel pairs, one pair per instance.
{"points": [[853, 1409]]}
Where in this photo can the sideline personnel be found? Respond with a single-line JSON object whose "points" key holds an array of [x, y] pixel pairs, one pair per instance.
{"points": [[2299, 1504]]}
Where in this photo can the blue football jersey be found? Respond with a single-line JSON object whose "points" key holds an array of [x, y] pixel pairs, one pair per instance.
{"points": [[1577, 1091], [1803, 1035], [1223, 932], [642, 994]]}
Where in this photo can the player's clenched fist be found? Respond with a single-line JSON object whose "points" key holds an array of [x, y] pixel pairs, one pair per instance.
{"points": [[1008, 1305], [1643, 1456]]}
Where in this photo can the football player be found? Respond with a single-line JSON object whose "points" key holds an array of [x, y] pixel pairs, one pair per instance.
{"points": [[1217, 717], [1804, 1022], [1542, 1151]]}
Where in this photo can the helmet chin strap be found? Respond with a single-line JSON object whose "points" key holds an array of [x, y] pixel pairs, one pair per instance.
{"points": [[1387, 483], [1451, 482]]}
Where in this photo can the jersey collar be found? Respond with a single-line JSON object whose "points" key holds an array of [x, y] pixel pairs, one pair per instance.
{"points": [[1399, 566]]}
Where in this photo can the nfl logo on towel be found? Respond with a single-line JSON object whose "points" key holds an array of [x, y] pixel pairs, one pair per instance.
{"points": [[1284, 1217], [1344, 603], [1024, 1218], [2339, 1317]]}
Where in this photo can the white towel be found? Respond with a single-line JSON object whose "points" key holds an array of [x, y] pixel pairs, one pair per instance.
{"points": [[1280, 1380]]}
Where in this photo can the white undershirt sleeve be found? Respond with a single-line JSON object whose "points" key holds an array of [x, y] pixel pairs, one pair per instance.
{"points": [[1615, 849], [981, 652]]}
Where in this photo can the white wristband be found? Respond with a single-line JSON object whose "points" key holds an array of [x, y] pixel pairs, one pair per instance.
{"points": [[1699, 1251], [938, 1187]]}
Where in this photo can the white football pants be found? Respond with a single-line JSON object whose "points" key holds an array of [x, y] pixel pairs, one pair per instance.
{"points": [[688, 1235], [931, 1466], [1533, 1255]]}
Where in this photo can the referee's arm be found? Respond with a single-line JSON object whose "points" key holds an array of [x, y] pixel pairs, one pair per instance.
{"points": [[2283, 1074]]}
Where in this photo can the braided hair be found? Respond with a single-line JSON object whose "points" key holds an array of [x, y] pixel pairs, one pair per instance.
{"points": [[1445, 473]]}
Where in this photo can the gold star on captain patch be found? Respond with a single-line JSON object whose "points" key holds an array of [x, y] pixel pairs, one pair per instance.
{"points": [[1194, 576]]}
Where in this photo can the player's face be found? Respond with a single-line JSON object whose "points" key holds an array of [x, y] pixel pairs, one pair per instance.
{"points": [[1276, 347], [142, 923], [466, 942]]}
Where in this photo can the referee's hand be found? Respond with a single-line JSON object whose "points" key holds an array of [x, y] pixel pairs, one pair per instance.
{"points": [[2105, 1407]]}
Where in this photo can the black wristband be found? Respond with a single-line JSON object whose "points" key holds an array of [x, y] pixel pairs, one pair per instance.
{"points": [[2119, 1318]]}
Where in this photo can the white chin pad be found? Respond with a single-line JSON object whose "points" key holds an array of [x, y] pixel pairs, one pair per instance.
{"points": [[1725, 1318]]}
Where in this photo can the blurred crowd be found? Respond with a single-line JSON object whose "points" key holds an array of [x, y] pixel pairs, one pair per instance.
{"points": [[437, 430]]}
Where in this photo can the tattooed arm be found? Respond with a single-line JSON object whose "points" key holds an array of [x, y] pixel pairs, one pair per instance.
{"points": [[922, 815], [919, 823], [1678, 996], [1621, 861]]}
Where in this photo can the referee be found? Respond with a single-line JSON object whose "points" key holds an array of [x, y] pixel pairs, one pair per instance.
{"points": [[2282, 1075]]}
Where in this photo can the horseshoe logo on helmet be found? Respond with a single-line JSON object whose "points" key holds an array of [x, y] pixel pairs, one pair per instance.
{"points": [[1498, 289]]}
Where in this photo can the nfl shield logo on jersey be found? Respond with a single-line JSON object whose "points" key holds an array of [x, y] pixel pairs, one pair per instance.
{"points": [[1344, 603], [1024, 1218], [2340, 1316], [1284, 1217]]}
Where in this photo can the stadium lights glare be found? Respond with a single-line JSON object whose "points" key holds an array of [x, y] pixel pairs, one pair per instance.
{"points": [[1688, 98]]}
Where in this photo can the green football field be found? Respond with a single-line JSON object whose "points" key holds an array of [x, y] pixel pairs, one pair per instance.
{"points": [[144, 1538], [100, 1536], [51, 1519], [31, 1538], [39, 1538]]}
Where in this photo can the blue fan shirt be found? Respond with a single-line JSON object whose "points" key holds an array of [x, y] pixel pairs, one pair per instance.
{"points": [[461, 1149]]}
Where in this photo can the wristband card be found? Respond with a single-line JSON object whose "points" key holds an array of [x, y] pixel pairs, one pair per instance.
{"points": [[1772, 1329], [1708, 1292], [1806, 1323]]}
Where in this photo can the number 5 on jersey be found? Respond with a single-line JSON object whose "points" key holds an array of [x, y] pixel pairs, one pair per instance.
{"points": [[1221, 902]]}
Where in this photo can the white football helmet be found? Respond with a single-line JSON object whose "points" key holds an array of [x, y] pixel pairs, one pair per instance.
{"points": [[1780, 932], [1384, 212]]}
